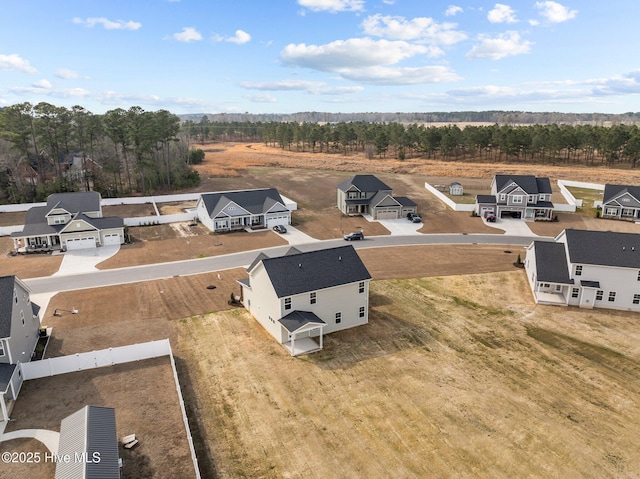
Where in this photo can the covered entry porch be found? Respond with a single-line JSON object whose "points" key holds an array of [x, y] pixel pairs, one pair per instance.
{"points": [[303, 332]]}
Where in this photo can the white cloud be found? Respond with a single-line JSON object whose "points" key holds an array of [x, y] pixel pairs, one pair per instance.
{"points": [[502, 14], [315, 87], [261, 98], [333, 6], [14, 62], [349, 54], [452, 10], [381, 75], [45, 84], [66, 74], [240, 37], [504, 45], [422, 29], [188, 34], [554, 12], [107, 24]]}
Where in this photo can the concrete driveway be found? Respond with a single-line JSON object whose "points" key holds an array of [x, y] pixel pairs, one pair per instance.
{"points": [[295, 236], [511, 226], [85, 260], [401, 226]]}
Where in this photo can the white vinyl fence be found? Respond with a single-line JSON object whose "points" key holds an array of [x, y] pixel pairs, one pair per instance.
{"points": [[94, 359], [161, 219], [448, 201]]}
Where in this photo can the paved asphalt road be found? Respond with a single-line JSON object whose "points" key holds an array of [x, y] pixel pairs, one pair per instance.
{"points": [[219, 263]]}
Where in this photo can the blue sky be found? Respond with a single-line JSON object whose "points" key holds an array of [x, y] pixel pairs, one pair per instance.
{"points": [[285, 56]]}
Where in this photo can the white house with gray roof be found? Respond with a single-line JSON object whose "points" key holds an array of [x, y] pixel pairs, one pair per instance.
{"points": [[88, 437], [589, 269], [69, 221], [300, 297], [517, 196], [19, 325], [367, 195], [621, 202], [237, 210]]}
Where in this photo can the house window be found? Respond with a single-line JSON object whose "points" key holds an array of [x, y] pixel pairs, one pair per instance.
{"points": [[312, 298], [361, 287], [611, 211], [558, 288], [338, 318], [287, 303], [532, 199], [636, 299], [22, 316], [599, 295], [579, 270], [363, 194], [517, 199], [2, 349], [612, 296], [575, 292], [361, 312], [638, 277], [503, 197], [353, 194]]}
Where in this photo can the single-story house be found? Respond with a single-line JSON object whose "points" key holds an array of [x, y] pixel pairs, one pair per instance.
{"points": [[590, 269], [301, 296], [517, 196], [236, 210], [69, 221], [89, 438], [367, 195], [456, 189], [19, 326], [621, 202]]}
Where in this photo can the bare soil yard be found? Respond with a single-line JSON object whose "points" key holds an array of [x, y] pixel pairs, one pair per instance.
{"points": [[146, 404], [12, 218], [26, 266], [129, 210], [459, 376]]}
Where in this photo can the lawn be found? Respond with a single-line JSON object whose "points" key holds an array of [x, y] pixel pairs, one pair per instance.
{"points": [[453, 376], [588, 196]]}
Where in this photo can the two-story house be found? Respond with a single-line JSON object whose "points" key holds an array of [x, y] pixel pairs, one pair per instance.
{"points": [[367, 195], [19, 325], [621, 202], [517, 196], [236, 210], [69, 221], [301, 296], [590, 269]]}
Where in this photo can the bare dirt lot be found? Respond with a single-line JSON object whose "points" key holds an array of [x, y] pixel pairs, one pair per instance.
{"points": [[12, 218], [459, 376], [26, 266], [129, 211], [146, 404]]}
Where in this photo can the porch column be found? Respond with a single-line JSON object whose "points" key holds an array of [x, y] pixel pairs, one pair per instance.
{"points": [[321, 336], [293, 344], [3, 407]]}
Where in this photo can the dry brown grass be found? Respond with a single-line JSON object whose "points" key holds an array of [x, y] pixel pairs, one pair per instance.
{"points": [[459, 376]]}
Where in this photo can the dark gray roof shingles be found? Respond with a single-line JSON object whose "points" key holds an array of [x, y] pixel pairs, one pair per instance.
{"points": [[551, 263], [75, 202], [529, 183], [604, 248], [613, 191], [364, 183], [297, 319], [254, 201], [7, 284], [315, 270]]}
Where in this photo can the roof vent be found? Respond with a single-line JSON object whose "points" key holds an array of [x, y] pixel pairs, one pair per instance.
{"points": [[299, 265], [339, 258], [624, 248]]}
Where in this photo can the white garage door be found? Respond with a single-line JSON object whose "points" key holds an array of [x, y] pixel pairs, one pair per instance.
{"points": [[387, 214], [280, 219], [111, 239], [81, 243]]}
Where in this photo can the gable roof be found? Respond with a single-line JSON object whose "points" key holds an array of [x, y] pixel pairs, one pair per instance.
{"points": [[75, 202], [613, 191], [551, 262], [529, 183], [6, 372], [7, 284], [303, 272], [97, 223], [364, 183], [91, 429], [254, 201], [298, 319], [605, 248]]}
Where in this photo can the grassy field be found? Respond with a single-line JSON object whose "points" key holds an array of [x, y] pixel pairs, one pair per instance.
{"points": [[588, 196], [459, 376]]}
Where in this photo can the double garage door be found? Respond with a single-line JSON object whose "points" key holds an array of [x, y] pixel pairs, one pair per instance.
{"points": [[81, 243], [279, 219], [387, 214]]}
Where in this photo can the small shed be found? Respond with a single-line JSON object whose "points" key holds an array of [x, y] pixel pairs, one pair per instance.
{"points": [[455, 189]]}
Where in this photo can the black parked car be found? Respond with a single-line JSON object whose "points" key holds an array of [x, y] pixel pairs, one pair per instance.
{"points": [[356, 235], [279, 229], [414, 218]]}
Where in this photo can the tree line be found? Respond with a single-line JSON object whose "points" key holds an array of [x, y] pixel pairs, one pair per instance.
{"points": [[47, 149]]}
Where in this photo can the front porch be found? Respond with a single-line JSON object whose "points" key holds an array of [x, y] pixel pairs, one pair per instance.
{"points": [[303, 346], [555, 299], [36, 244], [300, 330]]}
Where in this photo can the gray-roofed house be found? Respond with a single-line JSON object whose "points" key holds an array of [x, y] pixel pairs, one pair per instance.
{"points": [[590, 269], [88, 438], [518, 196], [69, 221], [367, 195], [621, 202], [19, 325], [237, 210], [300, 297]]}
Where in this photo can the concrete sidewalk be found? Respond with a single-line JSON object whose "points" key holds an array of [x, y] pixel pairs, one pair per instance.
{"points": [[51, 439]]}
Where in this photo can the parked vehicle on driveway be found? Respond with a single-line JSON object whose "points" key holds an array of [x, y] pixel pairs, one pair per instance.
{"points": [[490, 216], [414, 218], [356, 235], [279, 229]]}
